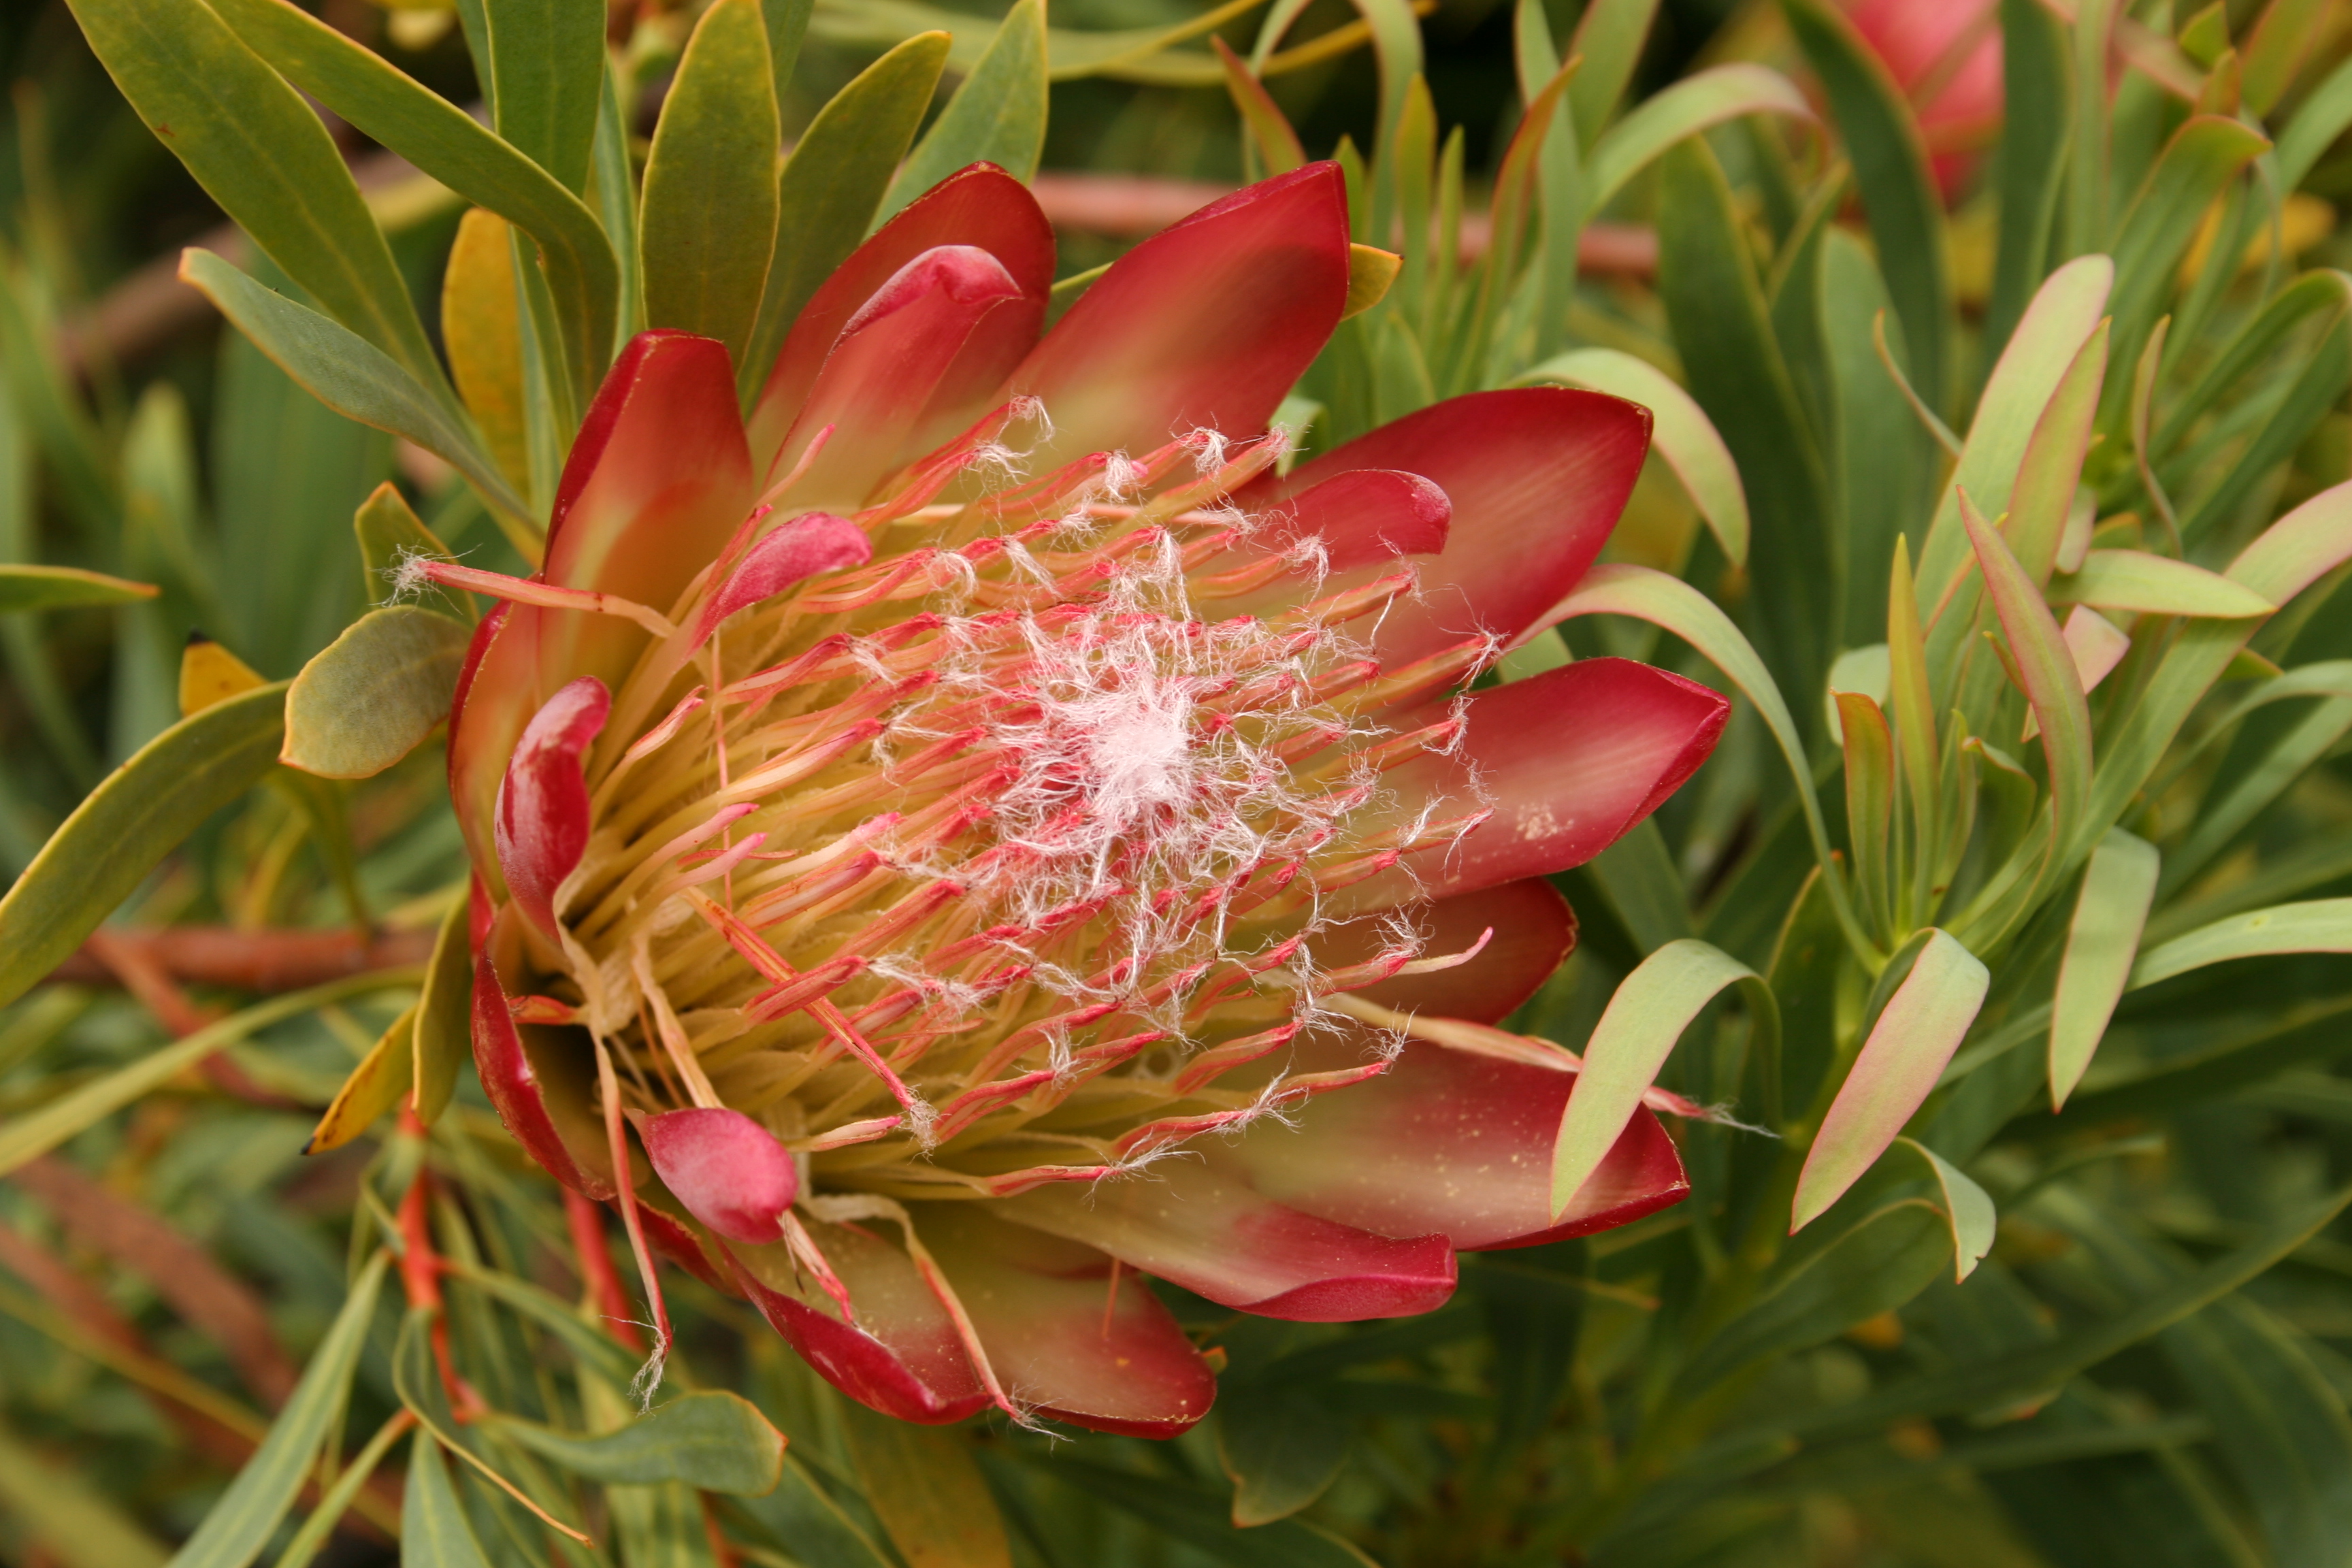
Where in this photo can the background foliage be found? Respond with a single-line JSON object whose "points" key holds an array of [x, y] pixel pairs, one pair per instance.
{"points": [[1729, 212]]}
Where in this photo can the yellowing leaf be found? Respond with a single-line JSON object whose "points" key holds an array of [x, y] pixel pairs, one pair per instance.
{"points": [[481, 324], [209, 673], [375, 1086], [373, 694]]}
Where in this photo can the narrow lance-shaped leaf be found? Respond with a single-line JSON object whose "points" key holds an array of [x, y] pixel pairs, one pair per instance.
{"points": [[373, 1088], [833, 185], [433, 1533], [1646, 1015], [545, 64], [270, 164], [1869, 804], [1920, 1027], [65, 587], [708, 221], [717, 1441], [346, 374], [373, 694], [2317, 925], [1890, 166], [1681, 434], [997, 116], [2143, 584], [444, 1017], [447, 143], [2049, 473], [2118, 885], [1966, 1204], [138, 816], [241, 1523], [1609, 36], [1912, 698], [2046, 669], [1675, 606], [1707, 98]]}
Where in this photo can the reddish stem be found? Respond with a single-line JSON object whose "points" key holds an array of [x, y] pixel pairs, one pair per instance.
{"points": [[420, 1277], [586, 1218]]}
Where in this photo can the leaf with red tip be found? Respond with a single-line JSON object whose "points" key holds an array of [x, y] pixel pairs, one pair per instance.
{"points": [[1455, 1141], [537, 1092], [727, 1170], [1365, 517], [2045, 666], [1569, 761], [542, 822], [902, 1356], [889, 367], [1922, 1024], [791, 553], [1206, 325], [1206, 1230], [1527, 930], [1537, 478], [982, 206], [1063, 1332]]}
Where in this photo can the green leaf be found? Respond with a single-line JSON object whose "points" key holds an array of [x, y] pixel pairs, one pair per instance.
{"points": [[433, 1529], [1882, 467], [2118, 885], [2050, 472], [1869, 751], [2279, 47], [1988, 1385], [1967, 1206], [547, 69], [76, 1523], [374, 694], [2224, 813], [833, 185], [1191, 1513], [2315, 390], [1609, 36], [2318, 925], [2032, 156], [1881, 137], [717, 1441], [246, 1516], [63, 587], [34, 1134], [997, 116], [2203, 156], [1734, 366], [2323, 295], [802, 1516], [138, 816], [1915, 1035], [270, 164], [1703, 99], [1648, 1014], [2323, 116], [1678, 607], [1282, 1446], [2157, 585], [930, 1496], [1681, 434], [788, 23], [346, 374], [1882, 1262], [708, 226], [390, 534], [2065, 312], [445, 1017], [446, 143]]}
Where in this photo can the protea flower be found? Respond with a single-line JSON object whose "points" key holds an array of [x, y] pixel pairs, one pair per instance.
{"points": [[1945, 55], [980, 827]]}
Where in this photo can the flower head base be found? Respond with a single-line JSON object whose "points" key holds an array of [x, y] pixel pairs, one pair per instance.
{"points": [[978, 869]]}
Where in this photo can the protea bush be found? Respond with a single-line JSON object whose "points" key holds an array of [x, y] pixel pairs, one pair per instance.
{"points": [[1636, 858]]}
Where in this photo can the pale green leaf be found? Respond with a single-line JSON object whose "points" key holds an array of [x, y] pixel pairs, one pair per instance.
{"points": [[2155, 584], [1917, 1033], [433, 1533], [1682, 434], [71, 1516], [1705, 97], [1609, 36], [2316, 925], [373, 694], [64, 587], [241, 1523], [1968, 1206], [930, 1497], [391, 534], [2118, 885], [2045, 666], [1650, 1010]]}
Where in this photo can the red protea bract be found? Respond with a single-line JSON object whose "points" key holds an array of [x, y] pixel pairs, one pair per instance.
{"points": [[981, 828]]}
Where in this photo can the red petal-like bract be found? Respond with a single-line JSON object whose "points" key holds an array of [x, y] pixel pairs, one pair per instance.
{"points": [[542, 821], [727, 1170], [536, 1093], [1204, 326], [791, 553], [1527, 930]]}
